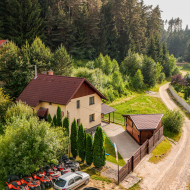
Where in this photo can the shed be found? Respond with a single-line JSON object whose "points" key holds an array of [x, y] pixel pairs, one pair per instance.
{"points": [[142, 126], [107, 110]]}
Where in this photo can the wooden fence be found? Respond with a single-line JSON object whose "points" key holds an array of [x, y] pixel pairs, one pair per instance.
{"points": [[145, 149]]}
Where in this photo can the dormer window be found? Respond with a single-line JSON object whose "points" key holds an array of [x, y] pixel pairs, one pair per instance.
{"points": [[91, 100]]}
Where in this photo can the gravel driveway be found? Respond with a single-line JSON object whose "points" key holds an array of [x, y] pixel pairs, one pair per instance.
{"points": [[173, 172]]}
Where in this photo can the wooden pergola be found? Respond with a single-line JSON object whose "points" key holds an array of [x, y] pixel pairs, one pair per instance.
{"points": [[107, 110]]}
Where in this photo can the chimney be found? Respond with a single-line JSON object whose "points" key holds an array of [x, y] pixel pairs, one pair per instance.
{"points": [[35, 72], [50, 72], [45, 72]]}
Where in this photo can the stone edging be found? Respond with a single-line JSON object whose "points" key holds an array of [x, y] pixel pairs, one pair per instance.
{"points": [[179, 99]]}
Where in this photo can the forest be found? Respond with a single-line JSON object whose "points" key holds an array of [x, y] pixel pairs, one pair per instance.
{"points": [[177, 39], [115, 40]]}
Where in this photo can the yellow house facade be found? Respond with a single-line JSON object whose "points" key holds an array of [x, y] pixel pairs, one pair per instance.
{"points": [[77, 98]]}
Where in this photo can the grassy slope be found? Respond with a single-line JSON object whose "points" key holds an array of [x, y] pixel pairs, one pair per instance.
{"points": [[138, 104], [184, 67]]}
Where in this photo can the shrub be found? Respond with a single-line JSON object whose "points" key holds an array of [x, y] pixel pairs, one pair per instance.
{"points": [[81, 150], [49, 119], [66, 123], [89, 150], [59, 117], [29, 141], [55, 120], [21, 110], [74, 138], [173, 121], [98, 148], [5, 102]]}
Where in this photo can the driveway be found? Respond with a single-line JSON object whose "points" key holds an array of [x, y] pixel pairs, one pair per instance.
{"points": [[126, 145]]}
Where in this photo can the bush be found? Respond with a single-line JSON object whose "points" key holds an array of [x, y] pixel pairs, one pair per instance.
{"points": [[98, 148], [89, 150], [66, 123], [26, 146], [5, 102], [49, 119], [59, 117], [81, 150], [19, 110], [173, 121]]}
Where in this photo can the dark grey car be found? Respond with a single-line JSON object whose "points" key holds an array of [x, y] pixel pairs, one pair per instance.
{"points": [[71, 180]]}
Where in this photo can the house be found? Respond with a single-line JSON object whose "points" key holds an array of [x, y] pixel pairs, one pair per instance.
{"points": [[2, 42], [142, 126], [77, 97]]}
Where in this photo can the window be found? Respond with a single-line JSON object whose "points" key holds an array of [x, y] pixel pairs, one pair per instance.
{"points": [[78, 122], [77, 178], [71, 181], [91, 117], [78, 104], [91, 100]]}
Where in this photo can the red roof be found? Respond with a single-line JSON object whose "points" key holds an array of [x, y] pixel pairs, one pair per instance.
{"points": [[146, 121], [53, 88], [2, 42]]}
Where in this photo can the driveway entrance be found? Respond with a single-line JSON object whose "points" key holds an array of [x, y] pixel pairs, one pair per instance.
{"points": [[126, 145]]}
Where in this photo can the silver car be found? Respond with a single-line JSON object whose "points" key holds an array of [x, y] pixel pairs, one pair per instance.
{"points": [[71, 180]]}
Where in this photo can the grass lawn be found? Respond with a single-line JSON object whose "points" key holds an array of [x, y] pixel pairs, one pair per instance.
{"points": [[111, 151], [160, 151], [184, 67], [137, 104]]}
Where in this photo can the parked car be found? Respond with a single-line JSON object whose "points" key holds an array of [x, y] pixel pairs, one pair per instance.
{"points": [[71, 180]]}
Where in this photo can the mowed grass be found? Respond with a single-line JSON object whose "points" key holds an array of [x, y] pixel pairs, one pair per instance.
{"points": [[160, 151], [138, 104], [111, 151]]}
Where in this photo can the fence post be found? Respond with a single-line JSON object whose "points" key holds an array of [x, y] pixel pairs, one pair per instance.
{"points": [[132, 165], [140, 153], [147, 146]]}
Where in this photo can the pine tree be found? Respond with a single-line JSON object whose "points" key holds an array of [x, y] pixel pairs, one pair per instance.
{"points": [[74, 139], [84, 143], [22, 21], [81, 150], [59, 117], [98, 148], [55, 120], [89, 150], [49, 119], [66, 123]]}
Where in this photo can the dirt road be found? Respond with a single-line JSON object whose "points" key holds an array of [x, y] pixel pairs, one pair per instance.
{"points": [[174, 171]]}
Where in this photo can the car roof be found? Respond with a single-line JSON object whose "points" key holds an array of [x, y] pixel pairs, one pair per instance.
{"points": [[68, 176]]}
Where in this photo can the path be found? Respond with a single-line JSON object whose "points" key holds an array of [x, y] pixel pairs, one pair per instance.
{"points": [[172, 173], [126, 145]]}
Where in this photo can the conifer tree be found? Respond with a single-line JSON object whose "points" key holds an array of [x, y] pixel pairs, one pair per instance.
{"points": [[81, 150], [49, 119], [55, 120], [137, 80], [89, 150], [84, 146], [66, 123], [98, 148], [74, 139], [22, 21], [59, 117]]}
